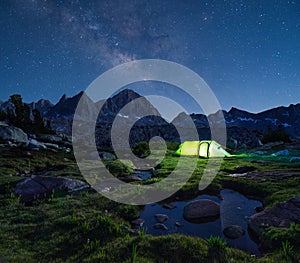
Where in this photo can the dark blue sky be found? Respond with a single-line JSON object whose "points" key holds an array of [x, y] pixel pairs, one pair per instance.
{"points": [[247, 51]]}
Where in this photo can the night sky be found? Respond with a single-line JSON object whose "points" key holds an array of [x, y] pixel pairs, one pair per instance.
{"points": [[247, 51]]}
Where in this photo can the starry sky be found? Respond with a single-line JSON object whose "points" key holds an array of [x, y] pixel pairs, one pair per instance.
{"points": [[247, 51]]}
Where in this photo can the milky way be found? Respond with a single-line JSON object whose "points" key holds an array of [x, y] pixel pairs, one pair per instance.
{"points": [[247, 51]]}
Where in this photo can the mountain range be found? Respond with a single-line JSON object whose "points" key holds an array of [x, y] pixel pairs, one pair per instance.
{"points": [[243, 127]]}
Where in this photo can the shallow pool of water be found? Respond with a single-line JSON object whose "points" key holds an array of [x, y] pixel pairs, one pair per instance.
{"points": [[235, 209]]}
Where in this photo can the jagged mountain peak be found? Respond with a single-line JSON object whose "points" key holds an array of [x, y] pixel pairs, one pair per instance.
{"points": [[65, 107], [63, 98], [128, 93], [236, 111], [43, 106]]}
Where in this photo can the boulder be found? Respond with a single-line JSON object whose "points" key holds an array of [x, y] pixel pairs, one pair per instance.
{"points": [[34, 144], [261, 152], [201, 211], [36, 187], [161, 218], [280, 215], [233, 231], [295, 160], [51, 145], [271, 145], [282, 153], [13, 134], [51, 138], [160, 226], [105, 156]]}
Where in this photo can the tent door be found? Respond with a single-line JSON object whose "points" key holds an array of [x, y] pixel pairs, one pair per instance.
{"points": [[204, 149]]}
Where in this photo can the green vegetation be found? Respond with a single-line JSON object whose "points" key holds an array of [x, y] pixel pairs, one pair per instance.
{"points": [[141, 149], [287, 249], [216, 249], [86, 227]]}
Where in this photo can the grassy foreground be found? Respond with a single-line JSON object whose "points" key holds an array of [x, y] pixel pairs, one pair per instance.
{"points": [[86, 227]]}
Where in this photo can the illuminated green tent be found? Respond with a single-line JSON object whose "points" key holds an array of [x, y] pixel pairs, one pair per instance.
{"points": [[205, 149]]}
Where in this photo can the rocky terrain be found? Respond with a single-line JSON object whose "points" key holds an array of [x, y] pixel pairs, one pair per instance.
{"points": [[244, 129]]}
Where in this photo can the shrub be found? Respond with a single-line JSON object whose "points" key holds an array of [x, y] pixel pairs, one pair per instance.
{"points": [[118, 169], [141, 149], [172, 146]]}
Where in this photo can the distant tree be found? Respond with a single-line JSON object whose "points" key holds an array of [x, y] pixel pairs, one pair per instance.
{"points": [[49, 130], [48, 126], [26, 121], [38, 121], [20, 117], [16, 99], [10, 116], [279, 134], [3, 115]]}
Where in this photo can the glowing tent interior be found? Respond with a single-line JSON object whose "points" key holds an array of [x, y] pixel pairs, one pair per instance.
{"points": [[205, 149]]}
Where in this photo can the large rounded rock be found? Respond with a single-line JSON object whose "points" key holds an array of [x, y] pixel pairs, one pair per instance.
{"points": [[201, 211], [34, 144], [233, 231], [51, 138], [37, 187], [280, 215], [13, 134], [105, 156]]}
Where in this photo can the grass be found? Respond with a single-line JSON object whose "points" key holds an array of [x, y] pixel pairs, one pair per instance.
{"points": [[216, 249], [86, 227]]}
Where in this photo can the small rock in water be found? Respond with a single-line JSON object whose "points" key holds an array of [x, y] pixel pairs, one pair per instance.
{"points": [[169, 206], [160, 226], [233, 231], [178, 224], [161, 218]]}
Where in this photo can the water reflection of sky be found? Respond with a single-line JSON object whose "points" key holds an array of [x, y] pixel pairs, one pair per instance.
{"points": [[235, 208]]}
